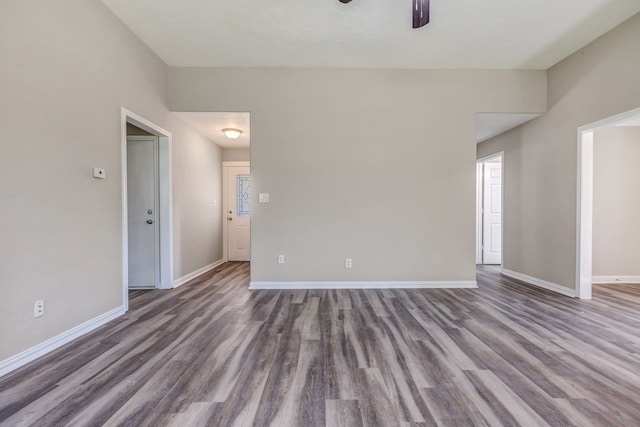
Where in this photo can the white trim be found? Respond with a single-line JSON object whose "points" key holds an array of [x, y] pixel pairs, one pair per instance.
{"points": [[584, 200], [584, 221], [165, 194], [479, 199], [540, 283], [626, 280], [166, 211], [199, 272], [125, 225], [454, 284], [21, 359]]}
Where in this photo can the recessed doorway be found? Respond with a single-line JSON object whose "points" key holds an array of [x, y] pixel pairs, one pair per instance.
{"points": [[236, 175], [585, 196], [489, 193], [147, 244]]}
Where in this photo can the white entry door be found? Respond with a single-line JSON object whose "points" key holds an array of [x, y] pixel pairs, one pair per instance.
{"points": [[238, 213], [142, 211], [492, 214]]}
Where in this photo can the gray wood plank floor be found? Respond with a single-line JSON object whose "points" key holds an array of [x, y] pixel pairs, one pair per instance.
{"points": [[214, 353]]}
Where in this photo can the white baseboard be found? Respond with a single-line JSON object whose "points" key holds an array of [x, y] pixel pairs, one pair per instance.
{"points": [[199, 272], [51, 344], [616, 279], [541, 283], [365, 285]]}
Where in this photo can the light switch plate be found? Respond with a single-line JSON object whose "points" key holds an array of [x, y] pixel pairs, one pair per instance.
{"points": [[99, 173], [263, 198]]}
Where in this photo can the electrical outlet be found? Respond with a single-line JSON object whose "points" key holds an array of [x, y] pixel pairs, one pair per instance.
{"points": [[348, 263], [38, 308], [280, 259]]}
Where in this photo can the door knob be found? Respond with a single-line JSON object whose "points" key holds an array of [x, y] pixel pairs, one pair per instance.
{"points": [[230, 219], [149, 221]]}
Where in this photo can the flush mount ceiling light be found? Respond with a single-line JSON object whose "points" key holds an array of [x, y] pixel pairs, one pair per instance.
{"points": [[232, 133]]}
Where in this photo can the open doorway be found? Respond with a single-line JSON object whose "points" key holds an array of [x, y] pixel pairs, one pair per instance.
{"points": [[231, 131], [489, 194], [147, 251], [601, 132]]}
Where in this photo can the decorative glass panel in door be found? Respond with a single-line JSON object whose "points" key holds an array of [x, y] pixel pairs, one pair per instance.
{"points": [[243, 185]]}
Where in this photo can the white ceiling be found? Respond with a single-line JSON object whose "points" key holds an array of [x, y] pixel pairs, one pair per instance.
{"points": [[496, 34], [489, 125], [211, 125]]}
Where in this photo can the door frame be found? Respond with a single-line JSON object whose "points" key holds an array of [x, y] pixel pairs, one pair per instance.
{"points": [[480, 204], [164, 269], [225, 208], [584, 201]]}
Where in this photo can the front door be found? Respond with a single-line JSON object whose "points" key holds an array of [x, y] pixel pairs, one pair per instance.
{"points": [[238, 213], [142, 211], [492, 214]]}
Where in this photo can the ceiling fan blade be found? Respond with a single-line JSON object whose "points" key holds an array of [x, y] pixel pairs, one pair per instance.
{"points": [[420, 13]]}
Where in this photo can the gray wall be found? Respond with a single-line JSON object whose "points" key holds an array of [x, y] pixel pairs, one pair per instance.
{"points": [[197, 183], [236, 154], [598, 81], [66, 69], [376, 165], [616, 201]]}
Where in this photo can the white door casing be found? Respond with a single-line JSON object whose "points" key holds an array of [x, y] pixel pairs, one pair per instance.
{"points": [[492, 214], [238, 213], [164, 215], [479, 200], [142, 208], [584, 200]]}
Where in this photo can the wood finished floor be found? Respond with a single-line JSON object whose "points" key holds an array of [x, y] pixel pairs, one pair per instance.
{"points": [[214, 353]]}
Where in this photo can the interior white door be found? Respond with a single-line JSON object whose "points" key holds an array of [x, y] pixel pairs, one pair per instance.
{"points": [[492, 214], [238, 213], [141, 209]]}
